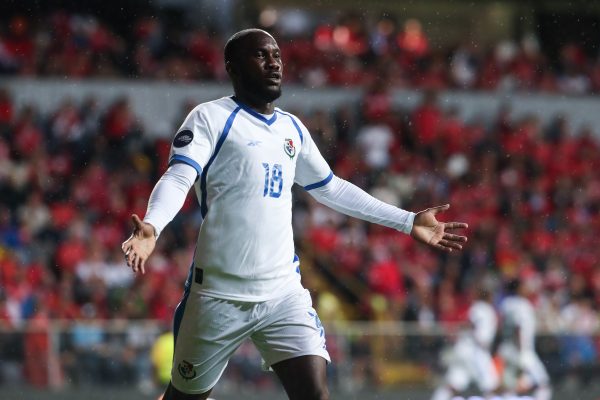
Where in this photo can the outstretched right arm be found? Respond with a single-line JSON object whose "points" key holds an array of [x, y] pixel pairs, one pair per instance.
{"points": [[166, 200]]}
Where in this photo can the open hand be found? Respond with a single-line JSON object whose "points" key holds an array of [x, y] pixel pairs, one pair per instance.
{"points": [[140, 244], [427, 229]]}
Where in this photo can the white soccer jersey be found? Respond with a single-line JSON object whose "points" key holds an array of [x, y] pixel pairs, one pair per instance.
{"points": [[246, 164], [483, 318], [518, 314]]}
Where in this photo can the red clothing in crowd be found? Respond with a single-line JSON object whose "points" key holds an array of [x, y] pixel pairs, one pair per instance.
{"points": [[426, 122], [385, 277]]}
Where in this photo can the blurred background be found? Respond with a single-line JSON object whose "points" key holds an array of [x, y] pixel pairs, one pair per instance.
{"points": [[491, 106]]}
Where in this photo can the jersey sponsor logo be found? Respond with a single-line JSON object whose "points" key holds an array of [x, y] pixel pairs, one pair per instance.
{"points": [[183, 138], [186, 370], [288, 147], [253, 143]]}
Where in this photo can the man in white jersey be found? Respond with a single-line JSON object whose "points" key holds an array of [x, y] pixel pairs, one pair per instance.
{"points": [[243, 155], [523, 370], [471, 360]]}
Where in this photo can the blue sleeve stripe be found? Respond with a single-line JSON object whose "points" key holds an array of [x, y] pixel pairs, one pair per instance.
{"points": [[321, 183], [186, 160], [203, 192]]}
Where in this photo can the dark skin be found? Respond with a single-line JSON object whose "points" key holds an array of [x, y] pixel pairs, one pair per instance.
{"points": [[256, 71]]}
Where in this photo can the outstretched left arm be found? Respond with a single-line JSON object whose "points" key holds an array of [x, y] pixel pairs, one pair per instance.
{"points": [[423, 226], [351, 200]]}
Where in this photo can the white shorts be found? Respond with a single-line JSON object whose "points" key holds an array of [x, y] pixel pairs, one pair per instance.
{"points": [[472, 364], [527, 362], [209, 330]]}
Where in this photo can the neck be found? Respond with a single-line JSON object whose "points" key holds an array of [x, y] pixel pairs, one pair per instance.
{"points": [[254, 103]]}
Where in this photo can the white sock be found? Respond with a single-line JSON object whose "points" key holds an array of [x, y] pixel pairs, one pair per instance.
{"points": [[442, 393], [491, 396], [543, 393]]}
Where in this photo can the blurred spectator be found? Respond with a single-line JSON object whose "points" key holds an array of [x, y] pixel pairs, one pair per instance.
{"points": [[375, 140], [426, 122], [88, 345], [579, 350], [345, 49], [412, 40]]}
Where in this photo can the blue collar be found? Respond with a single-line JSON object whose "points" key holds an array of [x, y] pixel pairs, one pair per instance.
{"points": [[254, 113]]}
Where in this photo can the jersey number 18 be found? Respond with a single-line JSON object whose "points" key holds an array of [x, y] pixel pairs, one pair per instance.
{"points": [[273, 180]]}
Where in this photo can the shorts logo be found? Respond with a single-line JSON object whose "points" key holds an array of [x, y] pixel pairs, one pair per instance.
{"points": [[186, 370], [183, 138], [288, 146], [318, 323]]}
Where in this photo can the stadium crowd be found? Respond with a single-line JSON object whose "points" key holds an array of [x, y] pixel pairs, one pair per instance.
{"points": [[344, 50]]}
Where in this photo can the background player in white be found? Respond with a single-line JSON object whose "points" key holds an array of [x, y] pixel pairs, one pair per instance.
{"points": [[471, 360], [243, 155], [523, 369]]}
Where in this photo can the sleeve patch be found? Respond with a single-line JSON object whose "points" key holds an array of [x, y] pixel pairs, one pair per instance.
{"points": [[183, 138]]}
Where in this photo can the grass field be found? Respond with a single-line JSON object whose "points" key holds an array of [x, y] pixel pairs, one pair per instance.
{"points": [[99, 393]]}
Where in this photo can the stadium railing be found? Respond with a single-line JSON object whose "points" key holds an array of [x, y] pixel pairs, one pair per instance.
{"points": [[60, 354], [158, 105]]}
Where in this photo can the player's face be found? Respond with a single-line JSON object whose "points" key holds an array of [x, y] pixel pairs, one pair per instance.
{"points": [[260, 69]]}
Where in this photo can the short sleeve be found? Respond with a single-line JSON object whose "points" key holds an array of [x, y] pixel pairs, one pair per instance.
{"points": [[194, 142], [312, 171]]}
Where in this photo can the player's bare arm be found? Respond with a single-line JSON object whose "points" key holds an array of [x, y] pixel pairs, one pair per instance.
{"points": [[427, 229], [140, 244]]}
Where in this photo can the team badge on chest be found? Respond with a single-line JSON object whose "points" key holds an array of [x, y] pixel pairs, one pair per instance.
{"points": [[288, 147]]}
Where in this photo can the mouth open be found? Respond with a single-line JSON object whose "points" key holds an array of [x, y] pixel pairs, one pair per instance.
{"points": [[274, 79]]}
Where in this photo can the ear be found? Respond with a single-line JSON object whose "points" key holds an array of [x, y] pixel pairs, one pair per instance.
{"points": [[230, 68]]}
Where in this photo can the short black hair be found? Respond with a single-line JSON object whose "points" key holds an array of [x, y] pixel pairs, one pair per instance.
{"points": [[233, 44], [512, 286]]}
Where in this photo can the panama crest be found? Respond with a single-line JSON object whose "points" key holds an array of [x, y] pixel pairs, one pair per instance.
{"points": [[288, 146], [186, 370]]}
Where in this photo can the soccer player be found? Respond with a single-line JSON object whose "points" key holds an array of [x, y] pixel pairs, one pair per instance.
{"points": [[523, 369], [243, 155], [471, 360]]}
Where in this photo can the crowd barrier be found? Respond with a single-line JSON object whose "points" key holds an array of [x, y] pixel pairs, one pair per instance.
{"points": [[371, 357], [158, 105]]}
